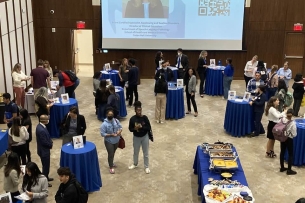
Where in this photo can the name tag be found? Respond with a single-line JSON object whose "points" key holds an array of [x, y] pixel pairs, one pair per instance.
{"points": [[263, 72]]}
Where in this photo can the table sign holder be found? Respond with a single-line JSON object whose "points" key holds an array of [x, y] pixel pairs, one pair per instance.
{"points": [[179, 83], [212, 62], [65, 98], [107, 67], [247, 96], [78, 142], [232, 95], [6, 197]]}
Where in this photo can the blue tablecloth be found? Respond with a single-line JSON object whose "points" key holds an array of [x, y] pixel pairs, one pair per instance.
{"points": [[214, 82], [120, 91], [3, 142], [238, 118], [84, 164], [175, 104], [57, 113], [201, 168], [112, 75]]}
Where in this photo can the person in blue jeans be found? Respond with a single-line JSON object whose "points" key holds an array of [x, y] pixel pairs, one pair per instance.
{"points": [[228, 73]]}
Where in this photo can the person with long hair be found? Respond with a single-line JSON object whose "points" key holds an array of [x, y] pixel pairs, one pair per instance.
{"points": [[27, 122], [228, 73], [12, 173], [262, 70], [42, 102], [111, 130], [123, 74], [19, 84], [258, 104], [48, 68], [19, 135], [161, 88], [96, 84], [114, 101], [281, 93], [250, 69], [272, 81], [102, 96], [35, 184], [201, 69], [290, 132], [298, 93], [158, 59], [273, 117], [190, 90]]}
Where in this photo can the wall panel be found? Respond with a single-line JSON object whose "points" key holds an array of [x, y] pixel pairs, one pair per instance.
{"points": [[3, 19], [2, 80], [32, 44], [7, 64], [24, 17], [28, 65], [17, 13], [29, 10], [13, 49], [20, 48], [10, 15]]}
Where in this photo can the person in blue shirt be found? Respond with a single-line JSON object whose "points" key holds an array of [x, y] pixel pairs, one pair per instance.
{"points": [[254, 83], [258, 104], [111, 130], [227, 77], [285, 73], [11, 110]]}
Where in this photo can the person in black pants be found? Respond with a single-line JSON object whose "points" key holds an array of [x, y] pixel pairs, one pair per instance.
{"points": [[290, 132], [158, 58], [190, 91], [182, 64], [133, 76], [298, 87], [258, 104], [27, 122], [201, 69]]}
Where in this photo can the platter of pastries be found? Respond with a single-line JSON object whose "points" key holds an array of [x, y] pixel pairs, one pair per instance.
{"points": [[223, 154], [218, 147], [218, 195], [237, 199]]}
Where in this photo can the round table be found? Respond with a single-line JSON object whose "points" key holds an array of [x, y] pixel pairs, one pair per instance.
{"points": [[120, 91], [57, 113], [84, 164], [238, 118], [174, 103], [214, 81], [113, 75]]}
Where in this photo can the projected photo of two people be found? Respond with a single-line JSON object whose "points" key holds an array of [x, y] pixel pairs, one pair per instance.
{"points": [[145, 8]]}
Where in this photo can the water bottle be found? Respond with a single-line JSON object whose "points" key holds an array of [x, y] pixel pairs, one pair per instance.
{"points": [[219, 62]]}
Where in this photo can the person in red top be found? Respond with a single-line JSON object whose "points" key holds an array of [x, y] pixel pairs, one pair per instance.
{"points": [[40, 77], [65, 81]]}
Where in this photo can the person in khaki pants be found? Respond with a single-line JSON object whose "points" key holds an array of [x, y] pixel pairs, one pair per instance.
{"points": [[161, 89]]}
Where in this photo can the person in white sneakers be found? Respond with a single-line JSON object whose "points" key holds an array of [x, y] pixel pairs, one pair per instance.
{"points": [[139, 125]]}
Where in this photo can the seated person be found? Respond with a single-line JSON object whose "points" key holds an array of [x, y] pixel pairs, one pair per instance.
{"points": [[168, 73], [113, 101], [254, 83]]}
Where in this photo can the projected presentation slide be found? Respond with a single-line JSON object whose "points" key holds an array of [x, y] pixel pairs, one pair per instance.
{"points": [[168, 24]]}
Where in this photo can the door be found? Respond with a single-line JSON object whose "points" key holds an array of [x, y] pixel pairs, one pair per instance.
{"points": [[294, 52]]}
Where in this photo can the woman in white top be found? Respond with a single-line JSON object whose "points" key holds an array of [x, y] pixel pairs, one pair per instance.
{"points": [[19, 84], [290, 132], [274, 117], [19, 135], [250, 69], [48, 68]]}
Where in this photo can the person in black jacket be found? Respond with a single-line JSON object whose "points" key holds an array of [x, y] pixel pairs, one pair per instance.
{"points": [[73, 124], [182, 63], [67, 192], [258, 104], [27, 122], [158, 58], [133, 77], [201, 69], [167, 72], [298, 87], [263, 71], [161, 88]]}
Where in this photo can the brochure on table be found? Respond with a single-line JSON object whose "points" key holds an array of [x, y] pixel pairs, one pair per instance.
{"points": [[78, 142], [247, 96], [179, 83], [65, 98], [6, 197], [23, 197], [232, 95], [107, 67], [212, 62], [54, 84]]}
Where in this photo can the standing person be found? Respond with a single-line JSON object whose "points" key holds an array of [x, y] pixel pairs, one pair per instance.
{"points": [[11, 110], [41, 99], [19, 84], [190, 91], [227, 77], [262, 70], [254, 83], [44, 146], [161, 88], [274, 117], [48, 68], [285, 73], [123, 74], [158, 59], [12, 173], [67, 192], [35, 184], [182, 63], [168, 73], [290, 132], [281, 93], [96, 84], [258, 104], [250, 69], [27, 122], [102, 97], [273, 80], [298, 93], [114, 101], [65, 81], [19, 135], [111, 130], [40, 77], [201, 69], [133, 77], [139, 125]]}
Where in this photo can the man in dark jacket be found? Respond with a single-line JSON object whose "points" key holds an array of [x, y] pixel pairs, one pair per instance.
{"points": [[182, 63], [133, 77], [67, 192], [168, 73]]}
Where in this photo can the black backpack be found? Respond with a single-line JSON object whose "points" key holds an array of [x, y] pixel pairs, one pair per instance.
{"points": [[82, 193], [71, 75]]}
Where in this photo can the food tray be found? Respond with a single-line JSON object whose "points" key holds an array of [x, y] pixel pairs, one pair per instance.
{"points": [[222, 154], [219, 147], [223, 164]]}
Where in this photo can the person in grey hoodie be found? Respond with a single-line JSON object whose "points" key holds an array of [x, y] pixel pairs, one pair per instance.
{"points": [[111, 130], [190, 90]]}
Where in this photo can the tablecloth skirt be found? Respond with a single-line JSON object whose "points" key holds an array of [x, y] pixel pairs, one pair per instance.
{"points": [[175, 104], [112, 76], [298, 148], [214, 82], [3, 142], [123, 110], [175, 72]]}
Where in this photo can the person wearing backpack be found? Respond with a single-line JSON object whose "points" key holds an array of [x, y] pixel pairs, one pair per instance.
{"points": [[298, 87], [273, 80], [290, 132], [281, 94], [68, 189], [65, 81], [274, 117]]}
